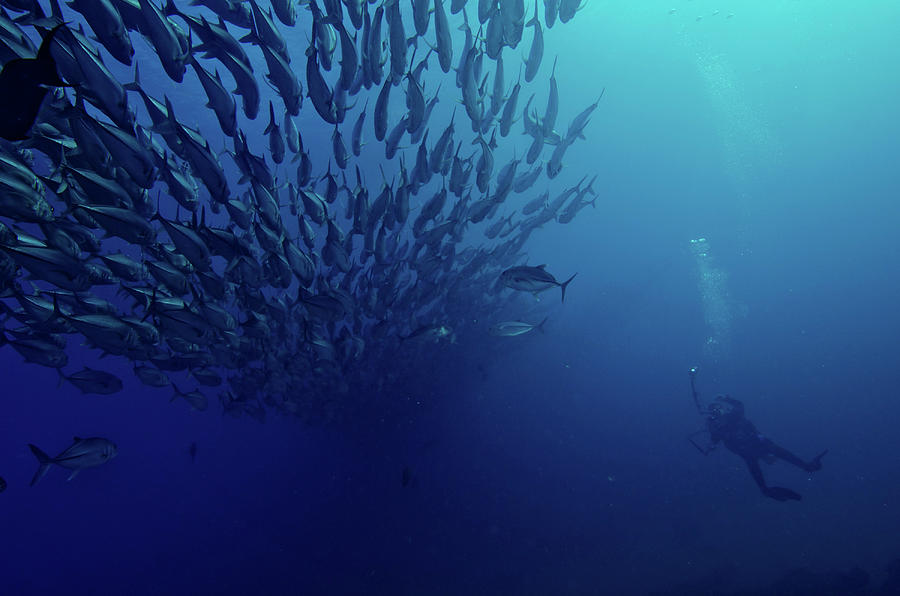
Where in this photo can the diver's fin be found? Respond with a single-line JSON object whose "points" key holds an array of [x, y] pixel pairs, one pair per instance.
{"points": [[780, 493]]}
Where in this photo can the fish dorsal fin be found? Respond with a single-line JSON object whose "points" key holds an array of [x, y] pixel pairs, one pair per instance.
{"points": [[544, 266], [76, 439]]}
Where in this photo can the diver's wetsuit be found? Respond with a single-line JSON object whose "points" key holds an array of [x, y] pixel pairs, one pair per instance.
{"points": [[742, 438]]}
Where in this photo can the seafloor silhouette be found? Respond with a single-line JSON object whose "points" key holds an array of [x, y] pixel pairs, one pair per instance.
{"points": [[796, 582]]}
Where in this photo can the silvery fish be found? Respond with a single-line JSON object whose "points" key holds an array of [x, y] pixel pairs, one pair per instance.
{"points": [[83, 453], [94, 381], [513, 328], [432, 333], [284, 318], [532, 279]]}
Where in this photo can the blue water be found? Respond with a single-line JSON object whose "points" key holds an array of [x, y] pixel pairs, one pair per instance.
{"points": [[556, 463]]}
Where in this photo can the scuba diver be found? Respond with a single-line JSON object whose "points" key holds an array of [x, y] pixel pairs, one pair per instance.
{"points": [[725, 422]]}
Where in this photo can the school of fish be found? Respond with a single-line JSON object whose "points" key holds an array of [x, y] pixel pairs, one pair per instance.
{"points": [[273, 286]]}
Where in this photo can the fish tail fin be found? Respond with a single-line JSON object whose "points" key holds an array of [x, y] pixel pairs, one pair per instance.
{"points": [[43, 53], [136, 84], [170, 10], [44, 462], [540, 326], [55, 11], [271, 126], [34, 13], [563, 286], [251, 38], [49, 75], [55, 314], [534, 20]]}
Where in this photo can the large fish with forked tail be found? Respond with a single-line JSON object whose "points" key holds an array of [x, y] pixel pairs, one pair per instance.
{"points": [[83, 453], [532, 279]]}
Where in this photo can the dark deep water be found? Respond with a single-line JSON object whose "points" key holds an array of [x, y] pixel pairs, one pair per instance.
{"points": [[556, 463]]}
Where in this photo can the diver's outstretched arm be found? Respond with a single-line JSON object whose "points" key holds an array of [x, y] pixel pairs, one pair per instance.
{"points": [[816, 464], [781, 453], [700, 409]]}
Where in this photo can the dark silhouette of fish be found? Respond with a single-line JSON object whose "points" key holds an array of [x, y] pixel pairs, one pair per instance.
{"points": [[2, 484], [193, 451], [24, 83], [83, 453]]}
